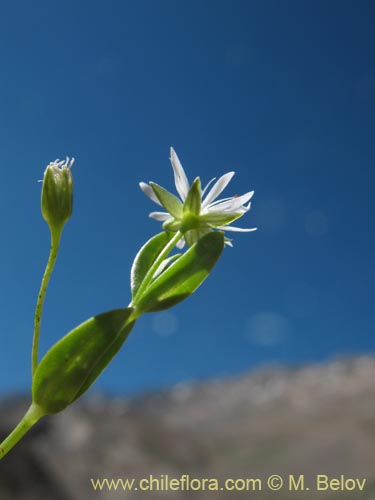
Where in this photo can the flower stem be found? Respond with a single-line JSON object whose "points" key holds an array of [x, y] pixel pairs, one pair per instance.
{"points": [[55, 242], [33, 414], [159, 259]]}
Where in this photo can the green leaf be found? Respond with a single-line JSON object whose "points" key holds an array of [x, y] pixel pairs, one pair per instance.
{"points": [[70, 367], [169, 201], [145, 258], [183, 277]]}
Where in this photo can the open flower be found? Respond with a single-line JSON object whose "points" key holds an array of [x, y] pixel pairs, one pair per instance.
{"points": [[196, 212]]}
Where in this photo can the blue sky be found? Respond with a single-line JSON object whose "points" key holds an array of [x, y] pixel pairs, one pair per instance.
{"points": [[281, 92]]}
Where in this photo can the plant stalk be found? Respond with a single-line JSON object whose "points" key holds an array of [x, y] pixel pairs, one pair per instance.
{"points": [[31, 417], [55, 243]]}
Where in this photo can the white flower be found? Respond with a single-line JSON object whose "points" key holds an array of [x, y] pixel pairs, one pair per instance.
{"points": [[197, 213]]}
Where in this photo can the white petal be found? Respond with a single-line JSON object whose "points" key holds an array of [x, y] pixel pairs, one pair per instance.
{"points": [[161, 216], [208, 185], [217, 188], [222, 206], [237, 229], [241, 200], [149, 192], [231, 205], [211, 205], [180, 243], [180, 179], [241, 210]]}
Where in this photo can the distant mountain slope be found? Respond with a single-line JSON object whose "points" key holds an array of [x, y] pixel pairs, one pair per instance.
{"points": [[317, 419]]}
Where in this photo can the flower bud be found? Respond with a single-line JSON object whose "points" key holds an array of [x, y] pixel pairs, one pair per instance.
{"points": [[57, 193]]}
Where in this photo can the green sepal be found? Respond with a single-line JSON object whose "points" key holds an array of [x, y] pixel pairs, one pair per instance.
{"points": [[193, 200], [172, 224], [145, 258], [194, 235], [70, 367], [215, 219], [169, 201], [183, 277]]}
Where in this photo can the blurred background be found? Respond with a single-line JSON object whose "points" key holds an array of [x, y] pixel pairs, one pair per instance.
{"points": [[283, 93]]}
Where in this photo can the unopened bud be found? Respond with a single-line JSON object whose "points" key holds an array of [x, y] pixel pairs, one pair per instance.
{"points": [[57, 193]]}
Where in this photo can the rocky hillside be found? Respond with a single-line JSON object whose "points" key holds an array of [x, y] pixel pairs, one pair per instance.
{"points": [[316, 419]]}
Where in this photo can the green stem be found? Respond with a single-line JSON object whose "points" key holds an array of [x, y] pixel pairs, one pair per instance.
{"points": [[55, 242], [150, 273], [33, 414]]}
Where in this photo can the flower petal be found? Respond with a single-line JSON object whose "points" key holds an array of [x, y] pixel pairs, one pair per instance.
{"points": [[213, 204], [217, 188], [180, 179], [237, 229], [180, 244], [149, 192], [231, 205], [160, 216], [241, 200], [208, 185]]}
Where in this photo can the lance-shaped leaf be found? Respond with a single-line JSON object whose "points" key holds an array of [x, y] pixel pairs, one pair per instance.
{"points": [[183, 277], [145, 258], [70, 367]]}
